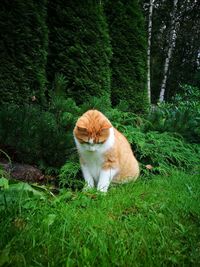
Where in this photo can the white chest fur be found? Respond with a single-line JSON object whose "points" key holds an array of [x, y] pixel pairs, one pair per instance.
{"points": [[93, 161], [93, 155]]}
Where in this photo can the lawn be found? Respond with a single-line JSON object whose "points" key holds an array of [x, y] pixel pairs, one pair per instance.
{"points": [[152, 222]]}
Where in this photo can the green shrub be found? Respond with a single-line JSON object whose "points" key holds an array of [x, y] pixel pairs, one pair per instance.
{"points": [[164, 151], [182, 116], [188, 98], [40, 137], [45, 138], [68, 175], [79, 48], [128, 64], [102, 104], [23, 50]]}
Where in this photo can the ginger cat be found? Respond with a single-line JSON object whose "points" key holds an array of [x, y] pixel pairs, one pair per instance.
{"points": [[105, 154]]}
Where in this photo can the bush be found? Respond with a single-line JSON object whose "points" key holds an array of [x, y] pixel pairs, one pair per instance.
{"points": [[23, 50], [164, 151], [128, 64], [45, 138], [37, 136], [182, 116], [69, 171], [79, 48]]}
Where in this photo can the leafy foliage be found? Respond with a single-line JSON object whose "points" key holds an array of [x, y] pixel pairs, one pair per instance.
{"points": [[68, 175], [37, 136], [128, 39], [45, 137], [162, 150], [70, 44], [23, 50], [79, 48], [184, 64], [182, 116]]}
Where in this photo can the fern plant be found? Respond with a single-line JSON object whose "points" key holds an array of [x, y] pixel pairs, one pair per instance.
{"points": [[68, 175], [164, 151]]}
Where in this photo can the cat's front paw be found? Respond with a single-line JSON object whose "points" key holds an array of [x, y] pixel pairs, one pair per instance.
{"points": [[102, 189]]}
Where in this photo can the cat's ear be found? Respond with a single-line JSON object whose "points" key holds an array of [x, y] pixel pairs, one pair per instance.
{"points": [[106, 126], [81, 127]]}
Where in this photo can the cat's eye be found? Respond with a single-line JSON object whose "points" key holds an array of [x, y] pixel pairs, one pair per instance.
{"points": [[100, 143]]}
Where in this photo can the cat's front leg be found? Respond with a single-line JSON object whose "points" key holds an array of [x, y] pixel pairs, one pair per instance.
{"points": [[87, 176], [105, 178]]}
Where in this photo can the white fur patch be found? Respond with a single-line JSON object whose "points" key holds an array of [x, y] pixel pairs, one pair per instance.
{"points": [[91, 141], [93, 155], [101, 148], [105, 179]]}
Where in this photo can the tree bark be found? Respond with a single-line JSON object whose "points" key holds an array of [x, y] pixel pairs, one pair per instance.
{"points": [[172, 43], [149, 50]]}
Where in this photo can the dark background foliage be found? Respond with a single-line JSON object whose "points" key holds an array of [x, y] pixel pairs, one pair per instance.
{"points": [[79, 48], [128, 39], [23, 50], [184, 64], [60, 58]]}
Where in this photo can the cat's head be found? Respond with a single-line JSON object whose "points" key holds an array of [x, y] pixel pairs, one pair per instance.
{"points": [[92, 130]]}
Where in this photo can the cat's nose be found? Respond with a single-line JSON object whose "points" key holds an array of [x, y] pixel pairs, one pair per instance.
{"points": [[92, 148], [91, 141]]}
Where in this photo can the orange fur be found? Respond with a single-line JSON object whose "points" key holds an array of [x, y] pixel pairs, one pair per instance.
{"points": [[94, 125], [122, 157]]}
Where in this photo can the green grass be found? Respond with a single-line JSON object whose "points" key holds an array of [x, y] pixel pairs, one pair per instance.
{"points": [[152, 222]]}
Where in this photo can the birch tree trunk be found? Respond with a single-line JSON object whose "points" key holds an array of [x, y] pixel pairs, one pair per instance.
{"points": [[172, 43], [149, 50]]}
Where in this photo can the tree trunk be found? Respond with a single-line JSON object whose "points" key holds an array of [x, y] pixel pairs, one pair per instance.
{"points": [[149, 51], [172, 43]]}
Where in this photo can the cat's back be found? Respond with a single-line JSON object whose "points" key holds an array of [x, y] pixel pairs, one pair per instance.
{"points": [[122, 143], [128, 165]]}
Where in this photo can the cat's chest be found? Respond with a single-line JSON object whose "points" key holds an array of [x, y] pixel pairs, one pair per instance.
{"points": [[94, 161]]}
